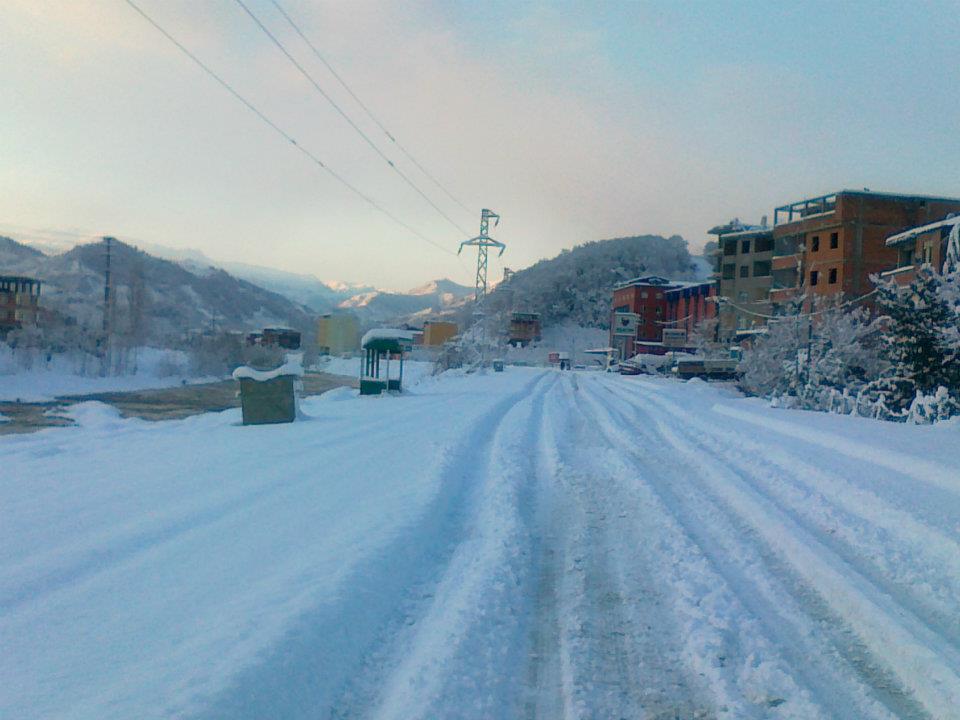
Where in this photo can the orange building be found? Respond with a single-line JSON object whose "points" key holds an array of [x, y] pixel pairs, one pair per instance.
{"points": [[437, 332], [833, 243]]}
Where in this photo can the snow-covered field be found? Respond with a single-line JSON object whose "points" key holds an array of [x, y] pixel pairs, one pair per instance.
{"points": [[524, 544], [45, 380]]}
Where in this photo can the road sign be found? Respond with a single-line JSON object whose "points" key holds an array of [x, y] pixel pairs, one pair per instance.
{"points": [[625, 323], [674, 338]]}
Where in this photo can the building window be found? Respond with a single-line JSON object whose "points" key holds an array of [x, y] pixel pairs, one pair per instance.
{"points": [[744, 246], [834, 240], [729, 272], [730, 248], [761, 268], [833, 276], [659, 312], [659, 296], [644, 294], [814, 277], [815, 243], [763, 244], [928, 254], [622, 308], [744, 271], [742, 295]]}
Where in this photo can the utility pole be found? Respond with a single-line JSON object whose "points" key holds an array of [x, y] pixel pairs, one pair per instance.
{"points": [[108, 241], [483, 242], [107, 314]]}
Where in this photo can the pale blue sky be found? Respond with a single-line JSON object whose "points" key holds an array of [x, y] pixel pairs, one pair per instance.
{"points": [[576, 121]]}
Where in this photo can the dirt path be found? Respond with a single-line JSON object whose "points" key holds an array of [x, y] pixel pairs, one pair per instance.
{"points": [[161, 404]]}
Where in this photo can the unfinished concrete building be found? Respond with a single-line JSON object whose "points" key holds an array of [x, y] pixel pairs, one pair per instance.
{"points": [[744, 274], [831, 244]]}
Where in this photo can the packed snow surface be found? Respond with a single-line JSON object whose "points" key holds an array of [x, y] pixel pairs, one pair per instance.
{"points": [[531, 543]]}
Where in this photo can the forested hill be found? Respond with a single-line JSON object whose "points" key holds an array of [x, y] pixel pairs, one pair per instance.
{"points": [[576, 284]]}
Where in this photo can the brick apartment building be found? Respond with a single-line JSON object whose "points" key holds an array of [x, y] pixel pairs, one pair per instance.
{"points": [[923, 245], [833, 243], [744, 274], [19, 302], [644, 306]]}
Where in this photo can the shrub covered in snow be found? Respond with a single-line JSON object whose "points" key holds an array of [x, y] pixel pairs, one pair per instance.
{"points": [[903, 364], [817, 361]]}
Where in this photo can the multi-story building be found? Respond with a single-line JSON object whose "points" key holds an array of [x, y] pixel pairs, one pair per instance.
{"points": [[923, 245], [19, 302], [744, 274], [337, 334], [690, 304], [524, 328], [644, 306], [832, 244]]}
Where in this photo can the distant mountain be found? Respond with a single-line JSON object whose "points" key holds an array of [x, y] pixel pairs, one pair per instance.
{"points": [[439, 297], [577, 284], [167, 299], [370, 304]]}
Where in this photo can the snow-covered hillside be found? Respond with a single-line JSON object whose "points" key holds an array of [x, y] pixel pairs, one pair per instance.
{"points": [[576, 285], [520, 544], [155, 299]]}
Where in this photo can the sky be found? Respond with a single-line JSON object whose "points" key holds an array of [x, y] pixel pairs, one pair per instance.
{"points": [[575, 121]]}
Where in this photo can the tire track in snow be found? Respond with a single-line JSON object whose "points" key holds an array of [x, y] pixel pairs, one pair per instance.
{"points": [[892, 648], [338, 656], [462, 653], [764, 471], [617, 641], [925, 471], [760, 583]]}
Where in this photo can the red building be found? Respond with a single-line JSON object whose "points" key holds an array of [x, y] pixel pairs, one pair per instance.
{"points": [[19, 302], [643, 307]]}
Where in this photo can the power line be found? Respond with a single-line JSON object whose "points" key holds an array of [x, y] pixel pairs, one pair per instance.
{"points": [[721, 299], [280, 131], [347, 118], [363, 105]]}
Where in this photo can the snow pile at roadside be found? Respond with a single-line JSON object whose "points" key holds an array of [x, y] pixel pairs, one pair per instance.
{"points": [[47, 378]]}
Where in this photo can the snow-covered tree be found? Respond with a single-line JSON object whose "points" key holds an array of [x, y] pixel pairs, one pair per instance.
{"points": [[818, 360], [921, 342]]}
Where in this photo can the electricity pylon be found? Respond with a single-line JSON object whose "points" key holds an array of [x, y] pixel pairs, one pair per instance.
{"points": [[483, 242]]}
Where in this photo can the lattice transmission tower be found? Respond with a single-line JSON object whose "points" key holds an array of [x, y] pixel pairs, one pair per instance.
{"points": [[483, 242]]}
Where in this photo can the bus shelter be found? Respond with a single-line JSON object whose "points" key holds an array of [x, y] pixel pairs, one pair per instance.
{"points": [[383, 348]]}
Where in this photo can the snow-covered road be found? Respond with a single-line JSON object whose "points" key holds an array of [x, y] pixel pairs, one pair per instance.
{"points": [[531, 544]]}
